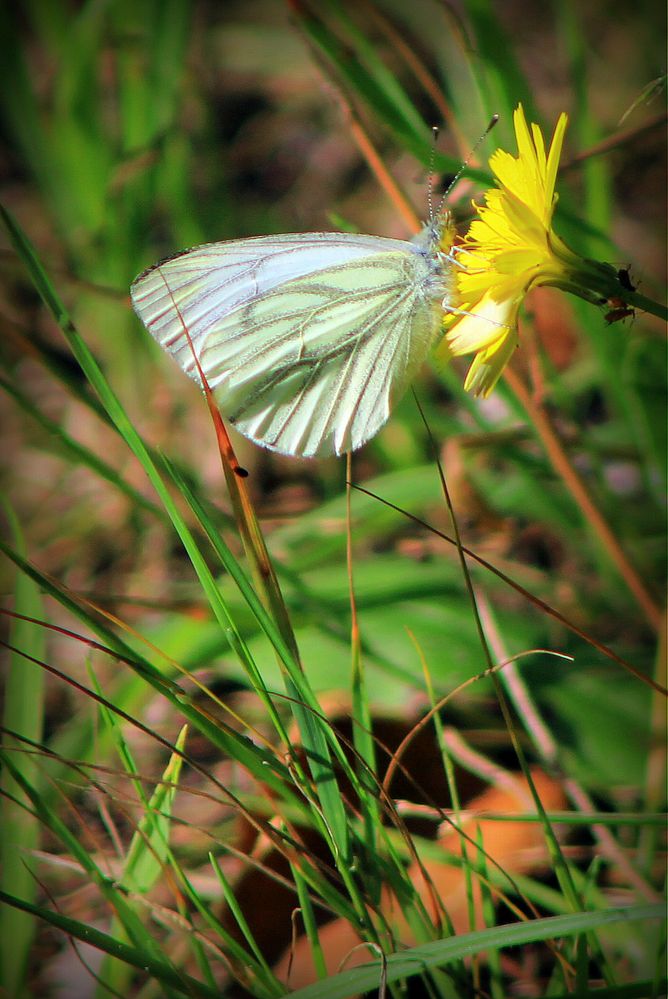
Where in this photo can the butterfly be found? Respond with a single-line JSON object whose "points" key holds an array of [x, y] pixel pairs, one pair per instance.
{"points": [[306, 340]]}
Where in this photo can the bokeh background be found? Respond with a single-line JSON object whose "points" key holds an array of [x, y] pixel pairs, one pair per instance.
{"points": [[132, 130]]}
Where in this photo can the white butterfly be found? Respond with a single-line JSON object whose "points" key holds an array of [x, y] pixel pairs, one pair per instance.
{"points": [[306, 340]]}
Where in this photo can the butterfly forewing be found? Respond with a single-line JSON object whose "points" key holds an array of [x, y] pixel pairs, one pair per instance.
{"points": [[306, 340], [211, 281]]}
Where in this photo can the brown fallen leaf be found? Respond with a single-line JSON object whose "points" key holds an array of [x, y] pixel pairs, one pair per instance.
{"points": [[517, 847]]}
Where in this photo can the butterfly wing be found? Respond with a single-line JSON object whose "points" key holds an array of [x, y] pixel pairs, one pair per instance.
{"points": [[305, 340]]}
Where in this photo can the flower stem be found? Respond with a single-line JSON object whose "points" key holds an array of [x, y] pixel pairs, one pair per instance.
{"points": [[638, 301]]}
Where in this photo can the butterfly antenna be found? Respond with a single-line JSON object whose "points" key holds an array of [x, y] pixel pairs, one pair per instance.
{"points": [[430, 175], [476, 146]]}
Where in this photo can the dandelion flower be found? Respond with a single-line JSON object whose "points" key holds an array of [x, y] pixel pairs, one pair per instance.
{"points": [[510, 248]]}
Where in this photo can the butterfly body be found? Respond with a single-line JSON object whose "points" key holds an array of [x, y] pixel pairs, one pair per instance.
{"points": [[306, 340]]}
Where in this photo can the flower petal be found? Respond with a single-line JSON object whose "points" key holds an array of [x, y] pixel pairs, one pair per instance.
{"points": [[488, 365], [555, 155], [481, 329]]}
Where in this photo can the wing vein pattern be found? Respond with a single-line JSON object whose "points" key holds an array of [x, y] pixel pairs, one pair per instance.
{"points": [[305, 340]]}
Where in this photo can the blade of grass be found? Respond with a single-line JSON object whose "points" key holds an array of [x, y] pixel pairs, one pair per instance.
{"points": [[440, 953], [242, 923], [241, 962], [315, 736], [361, 713], [140, 958], [149, 847], [595, 170], [78, 453], [23, 712], [116, 899], [366, 84], [150, 70], [310, 924], [539, 420], [499, 73], [386, 82], [265, 766], [128, 432]]}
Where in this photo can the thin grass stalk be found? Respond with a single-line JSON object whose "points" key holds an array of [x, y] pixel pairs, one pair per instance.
{"points": [[575, 486]]}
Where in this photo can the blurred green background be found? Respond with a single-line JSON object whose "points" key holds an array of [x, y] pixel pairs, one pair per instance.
{"points": [[132, 130]]}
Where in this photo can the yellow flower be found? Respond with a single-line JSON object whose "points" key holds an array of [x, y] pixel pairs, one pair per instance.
{"points": [[509, 248]]}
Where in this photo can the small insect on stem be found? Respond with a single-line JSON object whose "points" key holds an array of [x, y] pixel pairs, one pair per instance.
{"points": [[624, 276], [621, 309]]}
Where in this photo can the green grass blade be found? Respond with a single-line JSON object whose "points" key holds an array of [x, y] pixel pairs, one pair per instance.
{"points": [[400, 106], [125, 428], [150, 69], [242, 923], [501, 76], [263, 764], [309, 921], [317, 739], [78, 453], [141, 959], [125, 913], [23, 713], [368, 84], [265, 621], [149, 848], [440, 953], [586, 130]]}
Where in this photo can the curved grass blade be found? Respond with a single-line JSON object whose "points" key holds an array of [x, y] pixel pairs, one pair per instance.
{"points": [[440, 953]]}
